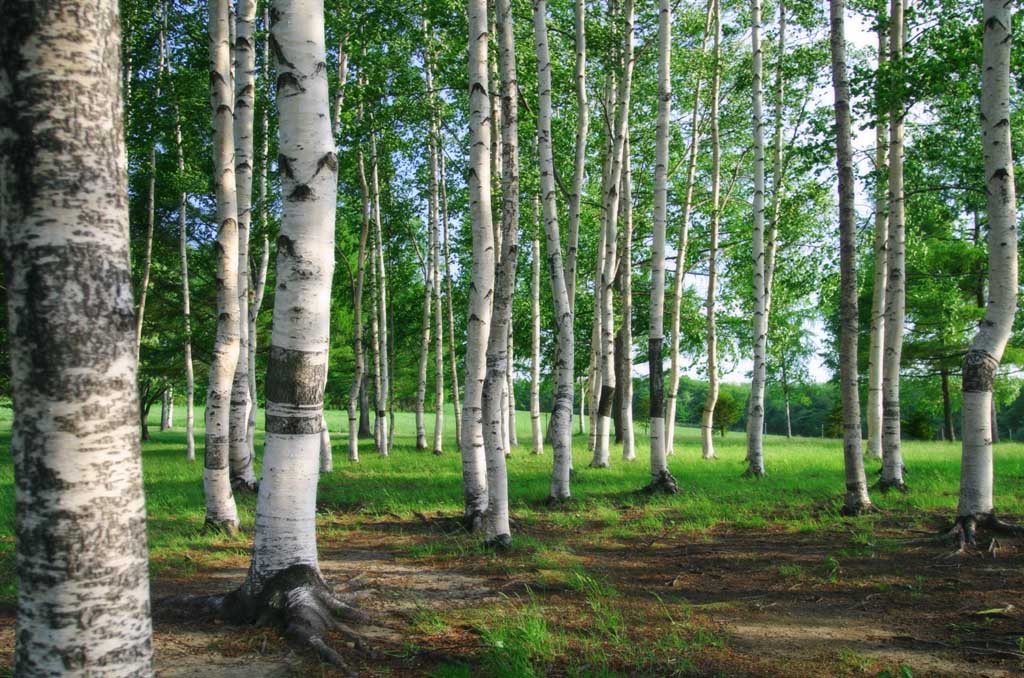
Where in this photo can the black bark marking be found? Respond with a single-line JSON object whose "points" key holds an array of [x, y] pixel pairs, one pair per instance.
{"points": [[604, 407], [657, 380], [295, 378], [328, 160], [284, 166], [279, 56], [979, 372], [286, 79], [301, 193], [285, 245]]}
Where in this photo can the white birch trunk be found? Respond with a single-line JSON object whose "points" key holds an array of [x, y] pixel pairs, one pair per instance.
{"points": [[626, 281], [856, 498], [285, 534], [83, 601], [220, 503], [421, 380], [384, 392], [708, 415], [876, 351], [661, 477], [167, 410], [989, 343], [561, 411], [474, 468], [755, 406], [537, 436], [190, 386], [681, 248], [580, 159], [456, 400], [357, 306], [510, 390], [895, 293], [243, 474]]}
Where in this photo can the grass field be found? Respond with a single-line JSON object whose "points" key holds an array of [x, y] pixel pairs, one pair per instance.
{"points": [[615, 582]]}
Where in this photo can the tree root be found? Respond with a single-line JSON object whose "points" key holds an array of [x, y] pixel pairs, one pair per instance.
{"points": [[226, 527], [964, 534], [886, 485], [500, 542], [296, 600], [753, 472], [852, 509], [663, 483]]}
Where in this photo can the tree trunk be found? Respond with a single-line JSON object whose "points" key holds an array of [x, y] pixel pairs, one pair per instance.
{"points": [[147, 260], [220, 502], [80, 516], [190, 415], [561, 411], [167, 410], [381, 288], [421, 379], [708, 417], [435, 248], [669, 423], [535, 428], [456, 400], [611, 210], [947, 409], [378, 406], [856, 499], [580, 160], [978, 430], [285, 537], [876, 352], [895, 295], [785, 397], [755, 407], [364, 408], [243, 475], [513, 437], [481, 293], [625, 350], [358, 388]]}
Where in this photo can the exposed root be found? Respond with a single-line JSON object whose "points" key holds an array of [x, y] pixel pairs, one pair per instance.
{"points": [[856, 507], [963, 535], [898, 485], [500, 542], [663, 483]]}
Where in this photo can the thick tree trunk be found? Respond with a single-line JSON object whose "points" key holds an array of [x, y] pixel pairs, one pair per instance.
{"points": [[856, 498], [982, 360], [383, 429], [876, 351], [681, 245], [708, 416], [285, 538], [452, 359], [895, 294], [147, 260], [220, 503], [561, 411], [755, 406], [537, 436], [80, 516], [625, 380], [474, 469], [611, 211], [190, 386], [243, 475], [661, 477]]}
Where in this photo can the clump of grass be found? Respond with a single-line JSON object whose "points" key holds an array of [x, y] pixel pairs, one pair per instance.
{"points": [[518, 645]]}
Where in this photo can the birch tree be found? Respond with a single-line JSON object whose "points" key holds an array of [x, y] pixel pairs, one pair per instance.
{"points": [[895, 292], [561, 411], [755, 407], [456, 400], [626, 285], [243, 475], [580, 158], [537, 436], [708, 415], [856, 499], [976, 505], [383, 429], [83, 602], [876, 350], [220, 502], [190, 386], [661, 477], [481, 292], [357, 312]]}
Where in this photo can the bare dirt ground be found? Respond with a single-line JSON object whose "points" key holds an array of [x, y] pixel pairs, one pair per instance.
{"points": [[786, 604]]}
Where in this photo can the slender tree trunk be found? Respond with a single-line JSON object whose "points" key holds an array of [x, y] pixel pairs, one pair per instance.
{"points": [[384, 393], [626, 281], [785, 398], [79, 510], [895, 295], [357, 388], [755, 407], [876, 352], [220, 502], [561, 411], [190, 416], [611, 208], [580, 160], [339, 97], [513, 436], [456, 400], [661, 477], [947, 408], [708, 415], [378, 407], [421, 379], [147, 260], [285, 537], [978, 430], [474, 467], [856, 499], [243, 475], [669, 423], [537, 436]]}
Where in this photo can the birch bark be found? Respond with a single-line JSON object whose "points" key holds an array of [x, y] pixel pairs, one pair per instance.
{"points": [[190, 386], [537, 436]]}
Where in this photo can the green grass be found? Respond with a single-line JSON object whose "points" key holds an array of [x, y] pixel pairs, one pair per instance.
{"points": [[801, 494]]}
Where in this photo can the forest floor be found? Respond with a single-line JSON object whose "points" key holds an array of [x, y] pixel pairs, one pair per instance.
{"points": [[732, 577]]}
